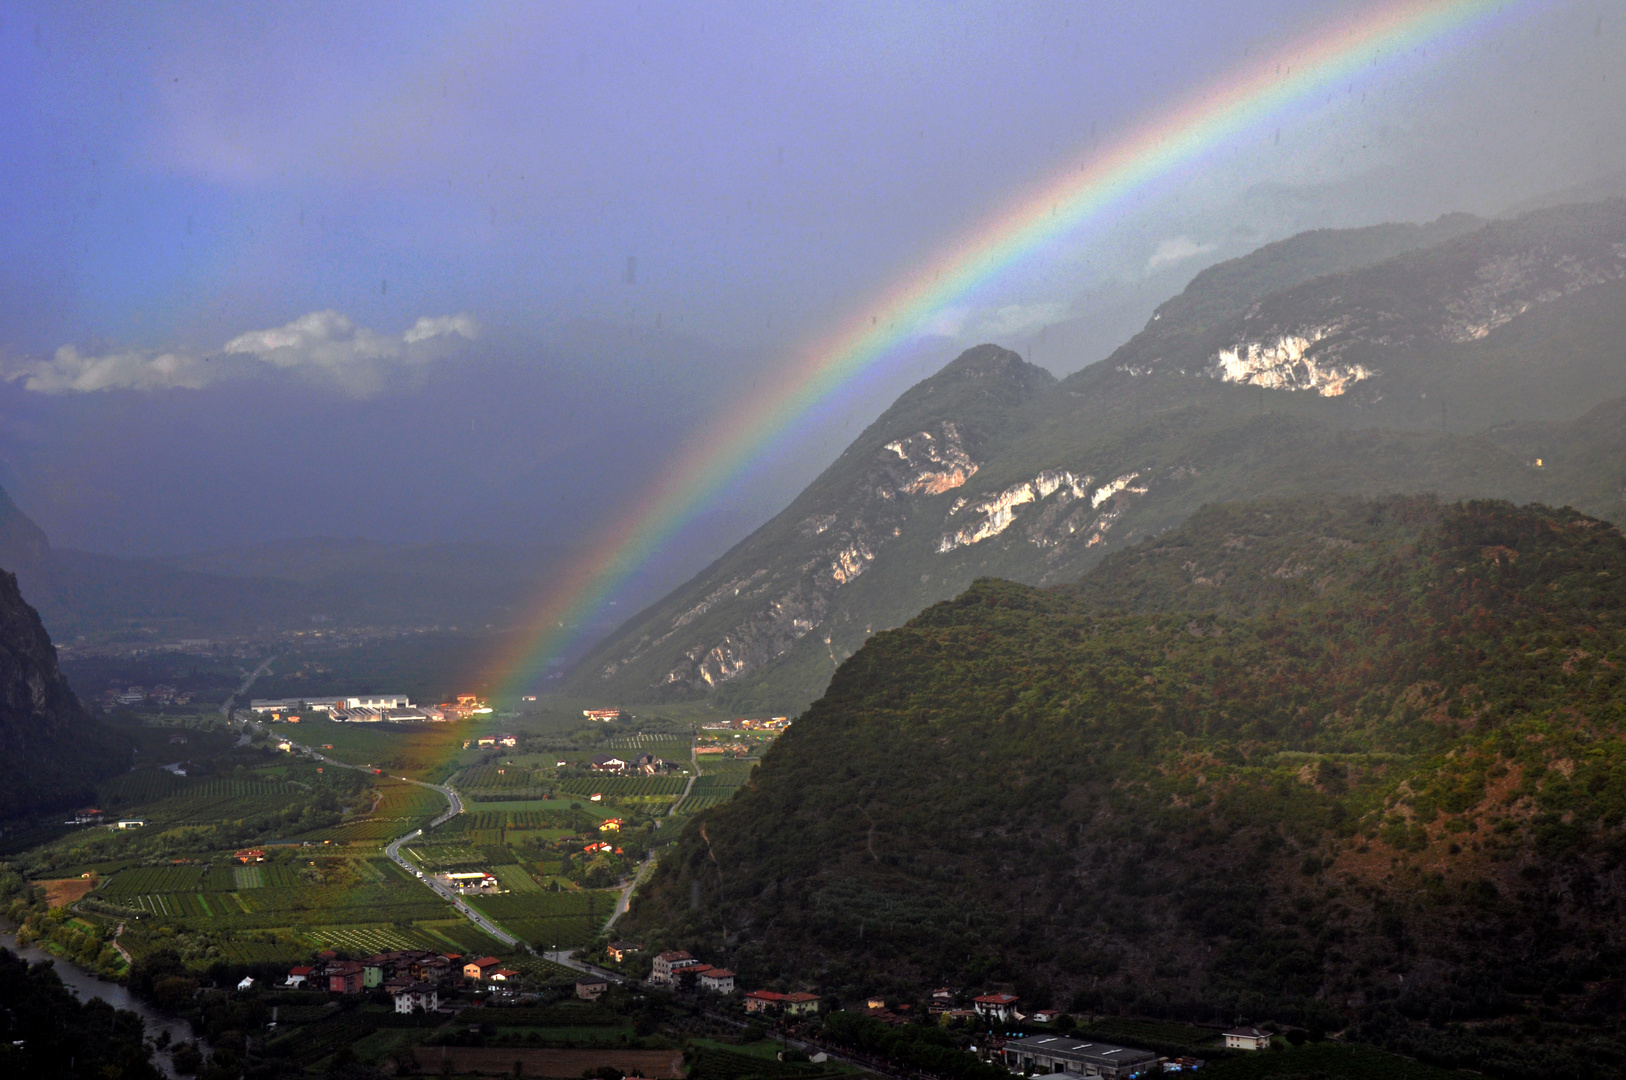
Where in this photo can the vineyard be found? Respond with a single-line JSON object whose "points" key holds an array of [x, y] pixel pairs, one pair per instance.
{"points": [[551, 919], [492, 776], [515, 878], [716, 784], [273, 895], [616, 786]]}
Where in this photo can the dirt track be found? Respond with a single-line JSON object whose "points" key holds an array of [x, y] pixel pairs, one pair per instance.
{"points": [[555, 1064]]}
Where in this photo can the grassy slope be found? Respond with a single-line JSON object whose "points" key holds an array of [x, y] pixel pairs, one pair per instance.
{"points": [[1265, 765]]}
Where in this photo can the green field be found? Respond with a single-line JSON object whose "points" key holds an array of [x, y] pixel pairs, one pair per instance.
{"points": [[551, 919]]}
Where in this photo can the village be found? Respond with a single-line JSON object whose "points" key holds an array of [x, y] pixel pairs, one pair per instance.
{"points": [[1001, 1031]]}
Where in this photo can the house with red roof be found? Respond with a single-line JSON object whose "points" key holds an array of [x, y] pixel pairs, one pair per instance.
{"points": [[668, 962], [763, 1000], [479, 969], [800, 1004], [717, 980], [996, 1006]]}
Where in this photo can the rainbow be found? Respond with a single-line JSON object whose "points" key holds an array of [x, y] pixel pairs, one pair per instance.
{"points": [[1082, 191]]}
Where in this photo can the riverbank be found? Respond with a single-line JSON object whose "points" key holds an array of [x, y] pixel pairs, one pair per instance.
{"points": [[86, 984]]}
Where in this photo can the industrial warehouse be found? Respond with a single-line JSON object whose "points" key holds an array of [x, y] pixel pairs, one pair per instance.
{"points": [[369, 708]]}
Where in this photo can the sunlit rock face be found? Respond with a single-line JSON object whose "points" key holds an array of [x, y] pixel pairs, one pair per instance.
{"points": [[1288, 362], [1068, 507], [938, 462]]}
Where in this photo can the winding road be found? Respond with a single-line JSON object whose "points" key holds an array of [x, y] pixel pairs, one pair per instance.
{"points": [[454, 806]]}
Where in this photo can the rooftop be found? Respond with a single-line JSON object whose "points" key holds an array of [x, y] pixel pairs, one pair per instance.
{"points": [[1094, 1053]]}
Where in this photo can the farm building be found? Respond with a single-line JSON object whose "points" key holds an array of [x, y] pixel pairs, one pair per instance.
{"points": [[297, 976], [1248, 1038], [607, 763], [591, 987], [1053, 1053]]}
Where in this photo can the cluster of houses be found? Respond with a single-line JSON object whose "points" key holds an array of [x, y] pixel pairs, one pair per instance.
{"points": [[679, 970], [413, 978], [778, 723], [646, 764]]}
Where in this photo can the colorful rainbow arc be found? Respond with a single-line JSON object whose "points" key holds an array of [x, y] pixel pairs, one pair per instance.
{"points": [[1177, 137]]}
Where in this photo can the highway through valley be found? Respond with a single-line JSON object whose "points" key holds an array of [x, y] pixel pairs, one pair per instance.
{"points": [[454, 806]]}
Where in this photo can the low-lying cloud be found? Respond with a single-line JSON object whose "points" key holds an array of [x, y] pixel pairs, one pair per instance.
{"points": [[326, 345], [1176, 249]]}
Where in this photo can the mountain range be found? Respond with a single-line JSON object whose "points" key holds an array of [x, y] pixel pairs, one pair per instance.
{"points": [[271, 587], [1465, 357]]}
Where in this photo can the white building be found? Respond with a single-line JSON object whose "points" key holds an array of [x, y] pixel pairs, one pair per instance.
{"points": [[421, 998], [717, 980], [1248, 1038], [668, 962]]}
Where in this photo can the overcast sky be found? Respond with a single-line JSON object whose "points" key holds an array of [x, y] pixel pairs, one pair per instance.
{"points": [[291, 269]]}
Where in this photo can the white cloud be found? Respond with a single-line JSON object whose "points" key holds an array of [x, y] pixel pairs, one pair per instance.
{"points": [[67, 370], [323, 343], [1176, 249], [958, 323], [427, 328], [1020, 318]]}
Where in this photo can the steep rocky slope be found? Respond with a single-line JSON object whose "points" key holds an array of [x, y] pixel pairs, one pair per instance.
{"points": [[1322, 760], [803, 578], [1404, 358], [52, 753]]}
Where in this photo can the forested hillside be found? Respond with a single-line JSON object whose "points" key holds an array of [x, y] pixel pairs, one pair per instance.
{"points": [[1321, 760]]}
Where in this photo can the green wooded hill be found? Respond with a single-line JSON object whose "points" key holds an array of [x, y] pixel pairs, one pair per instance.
{"points": [[1319, 760], [1466, 358]]}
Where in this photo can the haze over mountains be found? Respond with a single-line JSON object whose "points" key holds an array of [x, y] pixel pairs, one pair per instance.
{"points": [[1468, 358]]}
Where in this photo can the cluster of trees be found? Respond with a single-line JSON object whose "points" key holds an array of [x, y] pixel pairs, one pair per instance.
{"points": [[45, 1030]]}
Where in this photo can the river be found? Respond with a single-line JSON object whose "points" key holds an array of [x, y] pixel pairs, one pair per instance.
{"points": [[84, 984]]}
